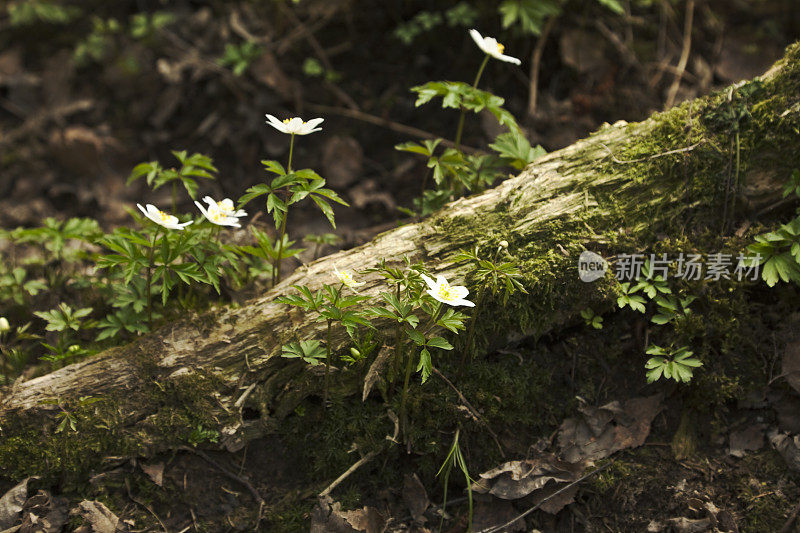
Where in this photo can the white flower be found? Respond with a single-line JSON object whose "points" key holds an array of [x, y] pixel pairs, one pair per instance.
{"points": [[503, 244], [490, 46], [295, 126], [226, 206], [222, 213], [161, 218], [346, 277], [4, 325], [446, 293]]}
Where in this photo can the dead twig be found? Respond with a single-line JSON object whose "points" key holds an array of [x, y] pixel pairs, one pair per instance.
{"points": [[384, 122], [787, 526], [39, 121], [143, 504], [364, 460], [687, 46], [536, 59], [256, 496], [472, 410], [495, 529]]}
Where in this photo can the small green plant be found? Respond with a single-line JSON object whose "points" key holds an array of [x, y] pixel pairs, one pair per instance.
{"points": [[192, 167], [240, 57], [496, 274], [145, 26], [27, 12], [99, 43], [456, 458], [671, 363], [67, 419], [309, 351], [16, 287], [591, 319], [628, 297], [452, 170], [289, 187], [14, 349], [199, 435], [66, 322]]}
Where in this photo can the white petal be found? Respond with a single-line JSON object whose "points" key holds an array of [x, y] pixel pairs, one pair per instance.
{"points": [[277, 124], [440, 280], [508, 59], [476, 36], [202, 209], [463, 302], [429, 281], [314, 122], [460, 291]]}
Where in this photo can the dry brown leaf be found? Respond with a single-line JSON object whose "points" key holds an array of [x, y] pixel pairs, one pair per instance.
{"points": [[516, 479], [154, 472], [99, 517], [750, 438], [601, 431], [791, 365], [376, 369], [328, 517], [415, 497], [11, 504]]}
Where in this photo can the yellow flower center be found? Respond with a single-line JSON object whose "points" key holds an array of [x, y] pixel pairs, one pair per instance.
{"points": [[286, 120], [446, 292], [164, 216], [500, 48]]}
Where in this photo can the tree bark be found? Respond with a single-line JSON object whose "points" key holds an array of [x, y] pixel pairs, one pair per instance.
{"points": [[621, 189]]}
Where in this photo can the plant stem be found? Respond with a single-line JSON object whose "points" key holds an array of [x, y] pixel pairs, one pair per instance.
{"points": [[460, 129], [409, 368], [276, 269], [471, 330], [174, 197], [327, 365], [149, 279]]}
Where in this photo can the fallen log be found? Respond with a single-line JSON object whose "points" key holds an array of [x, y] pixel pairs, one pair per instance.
{"points": [[624, 188]]}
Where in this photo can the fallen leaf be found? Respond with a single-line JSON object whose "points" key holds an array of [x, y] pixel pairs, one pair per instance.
{"points": [[791, 365], [99, 517], [154, 472], [44, 513], [750, 438], [327, 517], [11, 504], [375, 370], [601, 431], [788, 447], [516, 479], [415, 497]]}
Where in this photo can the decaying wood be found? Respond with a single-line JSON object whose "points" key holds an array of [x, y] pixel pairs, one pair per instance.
{"points": [[240, 346]]}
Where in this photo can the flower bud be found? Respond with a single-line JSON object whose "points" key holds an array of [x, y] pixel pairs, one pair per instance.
{"points": [[503, 244], [4, 325]]}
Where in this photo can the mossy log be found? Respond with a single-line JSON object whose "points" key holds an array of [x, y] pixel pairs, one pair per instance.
{"points": [[690, 176]]}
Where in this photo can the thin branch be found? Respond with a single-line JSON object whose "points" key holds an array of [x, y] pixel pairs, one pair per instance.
{"points": [[472, 410], [256, 496], [687, 47], [536, 59], [384, 122]]}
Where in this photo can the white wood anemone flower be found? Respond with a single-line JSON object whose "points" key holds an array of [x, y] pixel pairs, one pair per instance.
{"points": [[216, 215], [161, 218], [346, 277], [226, 207], [295, 125], [489, 45], [446, 293]]}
